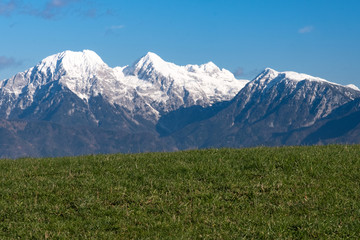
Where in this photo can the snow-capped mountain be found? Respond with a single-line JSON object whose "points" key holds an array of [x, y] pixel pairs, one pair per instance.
{"points": [[73, 103], [268, 108], [317, 95], [146, 89], [169, 86]]}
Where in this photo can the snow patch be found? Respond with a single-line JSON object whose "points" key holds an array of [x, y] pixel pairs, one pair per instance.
{"points": [[268, 75]]}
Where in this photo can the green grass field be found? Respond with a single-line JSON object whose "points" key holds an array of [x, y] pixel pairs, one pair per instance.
{"points": [[256, 193]]}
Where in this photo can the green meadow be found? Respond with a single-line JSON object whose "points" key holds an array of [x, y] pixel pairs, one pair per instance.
{"points": [[253, 193]]}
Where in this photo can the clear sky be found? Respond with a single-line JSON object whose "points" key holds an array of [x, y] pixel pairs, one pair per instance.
{"points": [[317, 37]]}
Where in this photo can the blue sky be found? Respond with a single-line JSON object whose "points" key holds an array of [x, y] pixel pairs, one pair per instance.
{"points": [[317, 37]]}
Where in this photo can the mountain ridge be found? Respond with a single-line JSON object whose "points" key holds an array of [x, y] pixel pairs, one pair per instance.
{"points": [[73, 103], [264, 110], [86, 75]]}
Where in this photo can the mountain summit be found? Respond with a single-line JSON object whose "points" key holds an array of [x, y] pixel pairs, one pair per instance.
{"points": [[148, 62], [85, 61]]}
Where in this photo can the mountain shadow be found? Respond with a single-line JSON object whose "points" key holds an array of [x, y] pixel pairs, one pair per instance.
{"points": [[180, 118]]}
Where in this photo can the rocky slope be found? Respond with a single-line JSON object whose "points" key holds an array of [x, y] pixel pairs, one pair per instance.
{"points": [[266, 110]]}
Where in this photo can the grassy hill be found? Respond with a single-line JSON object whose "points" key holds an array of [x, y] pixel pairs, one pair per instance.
{"points": [[258, 193]]}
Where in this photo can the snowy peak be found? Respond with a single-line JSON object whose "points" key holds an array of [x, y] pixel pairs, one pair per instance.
{"points": [[149, 65], [151, 58], [85, 61], [84, 73], [267, 74], [152, 64], [266, 78]]}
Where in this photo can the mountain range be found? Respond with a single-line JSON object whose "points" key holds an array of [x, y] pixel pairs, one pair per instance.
{"points": [[72, 103]]}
